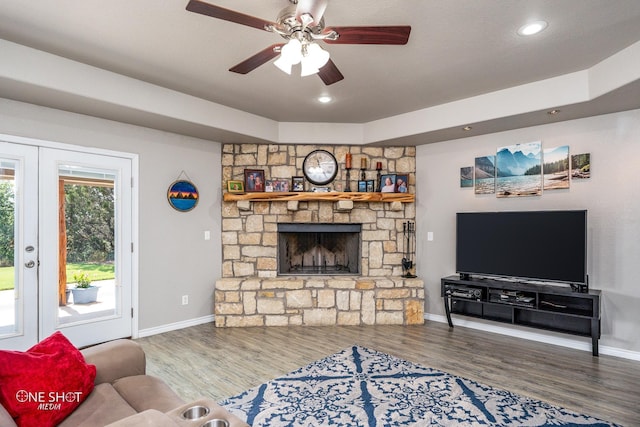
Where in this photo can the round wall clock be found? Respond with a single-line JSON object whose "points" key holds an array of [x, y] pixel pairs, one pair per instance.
{"points": [[320, 167]]}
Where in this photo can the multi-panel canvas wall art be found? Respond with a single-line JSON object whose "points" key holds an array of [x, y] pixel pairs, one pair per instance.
{"points": [[525, 170]]}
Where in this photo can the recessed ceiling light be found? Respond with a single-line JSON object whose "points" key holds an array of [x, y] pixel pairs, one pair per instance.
{"points": [[553, 112], [467, 128], [324, 99], [532, 28]]}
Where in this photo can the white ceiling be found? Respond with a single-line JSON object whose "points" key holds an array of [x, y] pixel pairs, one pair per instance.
{"points": [[458, 49]]}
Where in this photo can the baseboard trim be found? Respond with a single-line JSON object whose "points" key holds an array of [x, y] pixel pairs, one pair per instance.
{"points": [[535, 336], [175, 326]]}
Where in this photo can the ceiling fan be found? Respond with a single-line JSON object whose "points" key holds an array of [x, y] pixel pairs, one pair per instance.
{"points": [[302, 25]]}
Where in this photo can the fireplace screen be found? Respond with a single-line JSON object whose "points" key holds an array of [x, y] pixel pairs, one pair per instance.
{"points": [[319, 248]]}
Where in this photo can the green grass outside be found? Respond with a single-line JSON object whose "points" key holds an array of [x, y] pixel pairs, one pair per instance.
{"points": [[6, 278], [95, 271]]}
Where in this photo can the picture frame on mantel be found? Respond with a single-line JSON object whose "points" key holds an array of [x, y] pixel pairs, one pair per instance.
{"points": [[254, 180], [402, 183], [235, 186], [277, 186], [388, 183], [297, 183]]}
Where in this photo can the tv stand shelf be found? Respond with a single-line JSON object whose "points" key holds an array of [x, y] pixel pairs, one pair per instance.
{"points": [[550, 307]]}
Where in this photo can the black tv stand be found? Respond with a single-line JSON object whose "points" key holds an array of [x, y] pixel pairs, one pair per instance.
{"points": [[550, 307]]}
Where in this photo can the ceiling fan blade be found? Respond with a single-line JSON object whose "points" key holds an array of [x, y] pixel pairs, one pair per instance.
{"points": [[330, 74], [396, 34], [315, 8], [208, 9], [253, 62]]}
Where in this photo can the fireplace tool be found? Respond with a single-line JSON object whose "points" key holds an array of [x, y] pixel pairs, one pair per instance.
{"points": [[409, 242]]}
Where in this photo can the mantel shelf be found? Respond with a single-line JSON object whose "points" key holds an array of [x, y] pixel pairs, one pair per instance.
{"points": [[333, 196]]}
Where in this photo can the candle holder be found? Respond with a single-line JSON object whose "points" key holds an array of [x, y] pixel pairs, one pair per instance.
{"points": [[363, 175], [347, 186], [378, 182]]}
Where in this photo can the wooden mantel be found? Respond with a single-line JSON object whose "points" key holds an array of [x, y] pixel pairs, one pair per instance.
{"points": [[332, 196]]}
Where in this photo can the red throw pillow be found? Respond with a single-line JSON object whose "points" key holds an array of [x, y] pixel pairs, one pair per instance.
{"points": [[43, 385]]}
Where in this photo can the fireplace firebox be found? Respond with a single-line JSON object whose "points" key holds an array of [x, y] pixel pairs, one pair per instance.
{"points": [[323, 249]]}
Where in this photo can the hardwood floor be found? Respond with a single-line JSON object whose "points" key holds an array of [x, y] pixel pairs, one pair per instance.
{"points": [[203, 361]]}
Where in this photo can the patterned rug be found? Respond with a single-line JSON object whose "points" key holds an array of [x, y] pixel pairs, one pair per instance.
{"points": [[363, 387]]}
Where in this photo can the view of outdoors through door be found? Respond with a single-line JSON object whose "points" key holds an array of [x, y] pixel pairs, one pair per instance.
{"points": [[18, 246], [9, 324], [86, 270]]}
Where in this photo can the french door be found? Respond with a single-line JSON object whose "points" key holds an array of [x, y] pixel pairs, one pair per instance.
{"points": [[19, 243], [72, 223]]}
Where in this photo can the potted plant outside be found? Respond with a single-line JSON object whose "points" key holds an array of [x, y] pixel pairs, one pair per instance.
{"points": [[84, 292]]}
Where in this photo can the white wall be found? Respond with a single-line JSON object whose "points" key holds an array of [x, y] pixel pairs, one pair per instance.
{"points": [[611, 196], [174, 258]]}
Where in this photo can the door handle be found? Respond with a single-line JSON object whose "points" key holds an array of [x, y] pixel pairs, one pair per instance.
{"points": [[30, 264]]}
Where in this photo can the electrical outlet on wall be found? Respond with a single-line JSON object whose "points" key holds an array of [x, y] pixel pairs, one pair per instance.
{"points": [[185, 299]]}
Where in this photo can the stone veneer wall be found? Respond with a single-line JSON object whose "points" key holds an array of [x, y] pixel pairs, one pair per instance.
{"points": [[251, 294]]}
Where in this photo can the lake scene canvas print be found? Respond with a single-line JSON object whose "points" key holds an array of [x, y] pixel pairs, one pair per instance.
{"points": [[556, 168], [466, 176], [581, 166], [485, 175], [519, 170]]}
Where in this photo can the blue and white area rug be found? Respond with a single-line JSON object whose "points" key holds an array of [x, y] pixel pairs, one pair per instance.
{"points": [[363, 387]]}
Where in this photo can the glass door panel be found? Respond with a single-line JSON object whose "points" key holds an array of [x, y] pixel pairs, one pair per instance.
{"points": [[85, 215], [86, 264], [9, 321], [18, 246]]}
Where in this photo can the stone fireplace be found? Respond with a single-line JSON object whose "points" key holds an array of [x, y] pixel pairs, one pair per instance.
{"points": [[270, 278], [318, 249]]}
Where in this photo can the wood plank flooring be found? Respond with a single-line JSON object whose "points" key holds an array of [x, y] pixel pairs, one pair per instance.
{"points": [[203, 361]]}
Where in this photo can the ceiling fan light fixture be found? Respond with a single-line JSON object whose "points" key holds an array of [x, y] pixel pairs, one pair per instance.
{"points": [[292, 51], [283, 64], [307, 68], [316, 55], [290, 54]]}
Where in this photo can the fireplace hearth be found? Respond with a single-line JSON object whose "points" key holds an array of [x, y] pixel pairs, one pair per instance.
{"points": [[319, 249]]}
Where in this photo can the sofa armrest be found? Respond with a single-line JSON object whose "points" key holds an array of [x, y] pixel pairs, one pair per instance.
{"points": [[116, 359], [150, 418], [5, 418]]}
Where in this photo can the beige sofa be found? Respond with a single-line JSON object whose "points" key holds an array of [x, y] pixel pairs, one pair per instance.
{"points": [[125, 396]]}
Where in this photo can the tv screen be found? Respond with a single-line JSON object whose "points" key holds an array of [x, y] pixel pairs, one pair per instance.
{"points": [[538, 245]]}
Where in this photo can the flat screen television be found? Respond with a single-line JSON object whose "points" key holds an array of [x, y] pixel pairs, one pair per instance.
{"points": [[535, 245]]}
